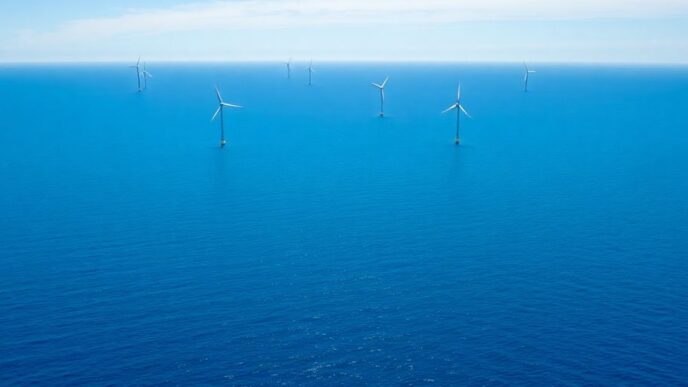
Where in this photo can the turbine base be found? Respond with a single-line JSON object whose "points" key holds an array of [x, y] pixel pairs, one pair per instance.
{"points": [[457, 141]]}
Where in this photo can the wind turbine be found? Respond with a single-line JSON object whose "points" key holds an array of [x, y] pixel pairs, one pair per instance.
{"points": [[220, 110], [310, 73], [525, 80], [459, 109], [138, 72], [146, 75], [289, 69], [382, 95]]}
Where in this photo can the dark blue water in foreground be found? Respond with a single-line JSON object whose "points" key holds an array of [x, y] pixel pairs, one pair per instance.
{"points": [[327, 246]]}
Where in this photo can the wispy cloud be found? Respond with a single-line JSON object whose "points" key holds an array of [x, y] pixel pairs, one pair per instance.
{"points": [[270, 14], [188, 27]]}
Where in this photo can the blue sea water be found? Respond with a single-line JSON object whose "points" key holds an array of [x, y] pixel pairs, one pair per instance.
{"points": [[325, 245]]}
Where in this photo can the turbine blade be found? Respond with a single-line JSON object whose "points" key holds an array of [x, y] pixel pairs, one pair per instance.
{"points": [[450, 108], [230, 105], [464, 111], [458, 93], [217, 92], [385, 82], [216, 113], [376, 85]]}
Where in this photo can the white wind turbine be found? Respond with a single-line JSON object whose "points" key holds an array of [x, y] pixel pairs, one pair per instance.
{"points": [[146, 75], [525, 80], [138, 72], [459, 109], [310, 73], [220, 110], [381, 87]]}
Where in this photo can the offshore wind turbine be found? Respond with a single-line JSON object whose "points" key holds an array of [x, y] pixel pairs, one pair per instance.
{"points": [[138, 72], [220, 110], [525, 80], [146, 75], [381, 87], [310, 73], [288, 63], [459, 109]]}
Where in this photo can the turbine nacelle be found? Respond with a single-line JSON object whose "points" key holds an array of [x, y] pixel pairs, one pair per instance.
{"points": [[145, 72], [381, 86], [138, 64], [457, 105]]}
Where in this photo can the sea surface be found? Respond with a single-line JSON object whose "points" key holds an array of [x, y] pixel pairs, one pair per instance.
{"points": [[327, 246]]}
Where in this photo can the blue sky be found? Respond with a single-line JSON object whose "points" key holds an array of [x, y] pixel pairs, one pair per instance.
{"points": [[629, 31]]}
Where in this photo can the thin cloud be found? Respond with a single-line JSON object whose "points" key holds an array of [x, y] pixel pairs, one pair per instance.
{"points": [[275, 14], [363, 29]]}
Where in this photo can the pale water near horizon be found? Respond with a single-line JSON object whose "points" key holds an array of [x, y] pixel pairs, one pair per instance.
{"points": [[325, 245]]}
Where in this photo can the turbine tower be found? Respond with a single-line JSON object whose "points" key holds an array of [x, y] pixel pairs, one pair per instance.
{"points": [[146, 75], [138, 72], [288, 69], [220, 110], [382, 95], [459, 109], [525, 80], [310, 73]]}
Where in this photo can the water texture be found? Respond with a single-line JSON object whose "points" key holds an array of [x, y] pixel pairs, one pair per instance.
{"points": [[325, 245]]}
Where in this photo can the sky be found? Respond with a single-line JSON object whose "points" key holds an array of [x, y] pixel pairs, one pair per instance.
{"points": [[598, 31]]}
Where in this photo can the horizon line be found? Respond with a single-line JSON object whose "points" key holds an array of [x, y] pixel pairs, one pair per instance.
{"points": [[349, 61]]}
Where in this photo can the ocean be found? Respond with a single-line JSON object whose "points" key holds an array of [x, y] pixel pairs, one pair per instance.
{"points": [[327, 246]]}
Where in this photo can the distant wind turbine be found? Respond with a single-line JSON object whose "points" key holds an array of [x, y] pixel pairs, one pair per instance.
{"points": [[310, 73], [525, 80], [220, 110], [381, 87], [138, 72], [146, 75], [289, 69], [459, 109]]}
